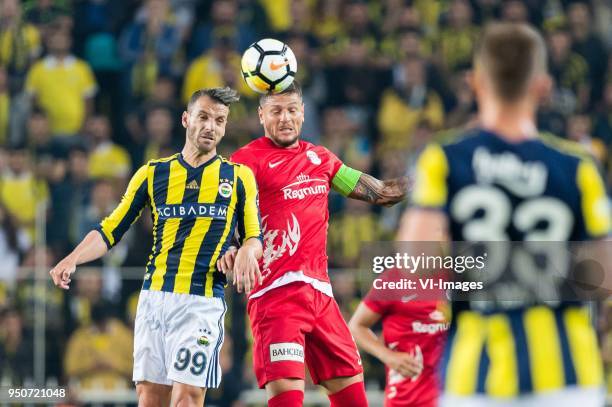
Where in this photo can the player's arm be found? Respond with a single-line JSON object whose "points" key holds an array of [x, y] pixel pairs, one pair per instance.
{"points": [[357, 185], [97, 242], [246, 265], [597, 225], [361, 327]]}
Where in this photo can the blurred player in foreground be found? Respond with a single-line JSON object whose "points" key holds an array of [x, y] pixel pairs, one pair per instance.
{"points": [[413, 339], [294, 317], [197, 199], [502, 182]]}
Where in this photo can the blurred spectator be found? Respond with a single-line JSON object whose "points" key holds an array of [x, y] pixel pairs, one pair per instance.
{"points": [[151, 47], [21, 192], [31, 297], [77, 187], [47, 13], [278, 14], [5, 106], [328, 15], [586, 43], [345, 290], [13, 243], [99, 354], [568, 69], [106, 159], [63, 86], [16, 350], [550, 116], [341, 136], [86, 293], [102, 202], [465, 106], [411, 100], [19, 44], [579, 130], [207, 71], [45, 151], [454, 44], [222, 20], [357, 41], [159, 128], [515, 11], [349, 230], [603, 122]]}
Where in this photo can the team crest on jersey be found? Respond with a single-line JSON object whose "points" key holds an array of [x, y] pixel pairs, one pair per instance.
{"points": [[313, 157], [203, 338], [225, 188]]}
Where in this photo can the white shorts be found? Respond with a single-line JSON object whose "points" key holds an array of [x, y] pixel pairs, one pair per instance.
{"points": [[178, 338], [567, 397]]}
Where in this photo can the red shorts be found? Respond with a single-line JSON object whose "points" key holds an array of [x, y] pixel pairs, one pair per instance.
{"points": [[294, 324]]}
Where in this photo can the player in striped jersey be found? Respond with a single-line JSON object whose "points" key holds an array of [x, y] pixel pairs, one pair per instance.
{"points": [[198, 199], [504, 181]]}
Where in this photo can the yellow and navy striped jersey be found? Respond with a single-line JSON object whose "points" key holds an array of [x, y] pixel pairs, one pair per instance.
{"points": [[195, 214], [543, 189]]}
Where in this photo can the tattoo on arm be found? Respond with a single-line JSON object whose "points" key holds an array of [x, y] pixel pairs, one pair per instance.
{"points": [[387, 193]]}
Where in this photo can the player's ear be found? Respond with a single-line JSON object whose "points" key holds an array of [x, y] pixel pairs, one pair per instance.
{"points": [[470, 78], [542, 85], [185, 119], [260, 113]]}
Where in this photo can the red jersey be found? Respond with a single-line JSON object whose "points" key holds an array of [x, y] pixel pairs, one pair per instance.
{"points": [[294, 185], [417, 327]]}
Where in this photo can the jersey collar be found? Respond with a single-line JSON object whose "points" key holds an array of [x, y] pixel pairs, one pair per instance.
{"points": [[189, 167]]}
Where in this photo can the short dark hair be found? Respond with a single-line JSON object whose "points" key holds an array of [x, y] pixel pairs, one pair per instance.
{"points": [[295, 87], [225, 96], [511, 53]]}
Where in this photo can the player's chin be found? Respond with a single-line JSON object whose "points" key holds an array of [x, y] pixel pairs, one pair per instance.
{"points": [[206, 145], [285, 138]]}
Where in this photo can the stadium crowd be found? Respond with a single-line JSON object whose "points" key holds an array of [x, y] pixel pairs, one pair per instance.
{"points": [[92, 89]]}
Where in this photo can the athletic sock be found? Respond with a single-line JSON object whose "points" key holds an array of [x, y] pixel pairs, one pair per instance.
{"points": [[292, 398], [351, 396]]}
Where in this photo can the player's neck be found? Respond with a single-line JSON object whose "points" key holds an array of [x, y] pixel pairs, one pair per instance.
{"points": [[194, 158], [295, 144], [514, 122]]}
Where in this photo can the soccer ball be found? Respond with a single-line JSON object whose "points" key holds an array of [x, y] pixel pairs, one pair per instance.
{"points": [[268, 66]]}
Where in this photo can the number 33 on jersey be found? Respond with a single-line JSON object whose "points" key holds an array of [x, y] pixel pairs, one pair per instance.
{"points": [[542, 189]]}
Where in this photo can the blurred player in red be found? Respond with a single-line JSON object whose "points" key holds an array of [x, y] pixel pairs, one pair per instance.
{"points": [[294, 317], [414, 333]]}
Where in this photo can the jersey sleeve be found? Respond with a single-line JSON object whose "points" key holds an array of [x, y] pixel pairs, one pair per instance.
{"points": [[114, 226], [594, 202], [335, 162], [430, 187], [376, 305], [242, 156], [249, 222]]}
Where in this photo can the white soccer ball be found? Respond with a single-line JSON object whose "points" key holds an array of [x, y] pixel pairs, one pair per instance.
{"points": [[268, 66]]}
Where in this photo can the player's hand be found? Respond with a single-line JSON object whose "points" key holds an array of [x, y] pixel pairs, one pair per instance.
{"points": [[246, 270], [406, 364], [62, 271], [225, 264]]}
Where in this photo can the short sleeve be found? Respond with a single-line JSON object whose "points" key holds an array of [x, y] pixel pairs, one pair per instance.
{"points": [[113, 227], [430, 188], [379, 307], [249, 222], [334, 161], [595, 205], [89, 86], [32, 84], [243, 156]]}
